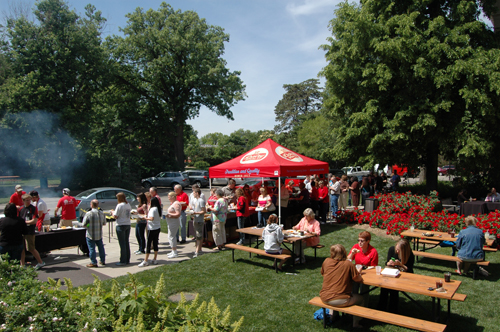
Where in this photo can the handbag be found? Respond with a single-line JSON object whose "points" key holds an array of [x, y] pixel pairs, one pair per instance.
{"points": [[271, 208]]}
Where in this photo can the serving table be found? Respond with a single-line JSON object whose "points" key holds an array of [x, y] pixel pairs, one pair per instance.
{"points": [[58, 239]]}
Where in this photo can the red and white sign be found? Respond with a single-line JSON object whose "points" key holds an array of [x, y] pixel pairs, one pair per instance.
{"points": [[254, 156], [288, 155]]}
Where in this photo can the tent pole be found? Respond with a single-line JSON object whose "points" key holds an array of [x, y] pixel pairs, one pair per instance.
{"points": [[279, 200]]}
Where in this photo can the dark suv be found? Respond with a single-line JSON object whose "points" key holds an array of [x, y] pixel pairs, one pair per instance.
{"points": [[166, 179], [197, 177]]}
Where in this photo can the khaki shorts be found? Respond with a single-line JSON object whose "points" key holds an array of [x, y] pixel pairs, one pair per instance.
{"points": [[198, 227], [67, 223], [30, 242]]}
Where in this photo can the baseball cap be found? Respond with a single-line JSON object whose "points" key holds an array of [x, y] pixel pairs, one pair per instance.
{"points": [[19, 187], [66, 191]]}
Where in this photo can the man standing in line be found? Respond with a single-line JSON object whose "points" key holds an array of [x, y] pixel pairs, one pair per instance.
{"points": [[334, 195], [17, 197], [28, 214], [68, 205], [94, 220], [230, 192], [395, 179], [41, 210], [154, 193], [182, 198]]}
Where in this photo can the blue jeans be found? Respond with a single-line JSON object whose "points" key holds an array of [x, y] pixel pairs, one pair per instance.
{"points": [[139, 234], [334, 202], [241, 224], [123, 235], [183, 227], [14, 251], [100, 246], [262, 218]]}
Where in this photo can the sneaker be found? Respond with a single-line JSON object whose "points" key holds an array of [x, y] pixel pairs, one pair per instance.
{"points": [[240, 243], [102, 263], [182, 242], [143, 264], [120, 264], [173, 255], [91, 265], [138, 252], [39, 265], [154, 262], [483, 272], [195, 255]]}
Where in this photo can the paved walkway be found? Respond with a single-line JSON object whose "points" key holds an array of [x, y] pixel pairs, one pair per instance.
{"points": [[72, 264]]}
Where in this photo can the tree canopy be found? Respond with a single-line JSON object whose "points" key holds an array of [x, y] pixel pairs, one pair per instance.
{"points": [[171, 61], [410, 79]]}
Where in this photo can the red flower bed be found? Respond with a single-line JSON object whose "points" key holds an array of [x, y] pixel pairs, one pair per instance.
{"points": [[397, 212]]}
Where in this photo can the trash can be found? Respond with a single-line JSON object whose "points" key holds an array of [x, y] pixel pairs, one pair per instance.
{"points": [[371, 204]]}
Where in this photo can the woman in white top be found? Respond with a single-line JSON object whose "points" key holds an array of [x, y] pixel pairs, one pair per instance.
{"points": [[173, 222], [154, 219], [197, 204], [122, 217]]}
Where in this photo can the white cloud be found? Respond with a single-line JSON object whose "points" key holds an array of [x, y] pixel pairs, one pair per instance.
{"points": [[309, 7]]}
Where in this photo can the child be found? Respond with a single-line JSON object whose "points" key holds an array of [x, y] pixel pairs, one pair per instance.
{"points": [[273, 237]]}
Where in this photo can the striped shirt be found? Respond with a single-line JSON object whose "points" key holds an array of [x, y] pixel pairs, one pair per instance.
{"points": [[94, 220]]}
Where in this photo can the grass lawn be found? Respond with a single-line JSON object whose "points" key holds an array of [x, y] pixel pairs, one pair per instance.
{"points": [[272, 301]]}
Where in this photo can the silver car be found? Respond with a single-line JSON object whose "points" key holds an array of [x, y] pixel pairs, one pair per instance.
{"points": [[166, 179], [106, 197]]}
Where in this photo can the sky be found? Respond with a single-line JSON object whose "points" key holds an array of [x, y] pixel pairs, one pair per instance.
{"points": [[272, 43]]}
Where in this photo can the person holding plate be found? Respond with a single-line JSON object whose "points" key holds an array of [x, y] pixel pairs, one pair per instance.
{"points": [[264, 202], [310, 225], [219, 215], [153, 219]]}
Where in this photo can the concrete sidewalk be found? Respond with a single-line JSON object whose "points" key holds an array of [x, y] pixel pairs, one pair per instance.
{"points": [[72, 264]]}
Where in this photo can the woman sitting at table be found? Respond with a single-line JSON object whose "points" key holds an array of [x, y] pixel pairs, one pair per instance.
{"points": [[310, 225], [470, 242], [273, 237], [401, 257], [338, 277], [363, 253]]}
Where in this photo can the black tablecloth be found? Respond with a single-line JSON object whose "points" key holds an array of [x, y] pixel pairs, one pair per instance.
{"points": [[61, 239], [478, 207], [492, 206]]}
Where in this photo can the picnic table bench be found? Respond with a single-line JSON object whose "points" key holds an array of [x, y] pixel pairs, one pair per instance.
{"points": [[436, 243], [451, 259], [256, 251], [381, 316]]}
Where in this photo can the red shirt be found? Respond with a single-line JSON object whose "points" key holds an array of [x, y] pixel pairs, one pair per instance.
{"points": [[314, 194], [68, 205], [242, 207], [17, 199], [183, 197], [323, 194], [368, 259]]}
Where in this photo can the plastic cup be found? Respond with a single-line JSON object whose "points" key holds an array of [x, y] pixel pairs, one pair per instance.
{"points": [[447, 277], [378, 269], [358, 266], [439, 283]]}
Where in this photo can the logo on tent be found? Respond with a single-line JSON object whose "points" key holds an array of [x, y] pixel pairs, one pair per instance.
{"points": [[254, 156], [288, 155]]}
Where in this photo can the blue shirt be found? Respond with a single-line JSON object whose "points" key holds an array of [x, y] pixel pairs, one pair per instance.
{"points": [[470, 242]]}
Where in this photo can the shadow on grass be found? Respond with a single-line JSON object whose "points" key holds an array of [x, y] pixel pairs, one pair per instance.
{"points": [[440, 266]]}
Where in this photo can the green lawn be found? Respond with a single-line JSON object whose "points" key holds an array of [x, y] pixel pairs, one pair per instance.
{"points": [[272, 302], [10, 187]]}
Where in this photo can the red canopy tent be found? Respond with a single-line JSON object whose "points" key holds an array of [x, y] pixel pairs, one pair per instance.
{"points": [[269, 159]]}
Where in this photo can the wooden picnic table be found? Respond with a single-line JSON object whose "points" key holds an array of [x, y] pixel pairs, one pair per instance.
{"points": [[416, 284], [8, 178], [418, 234], [257, 232]]}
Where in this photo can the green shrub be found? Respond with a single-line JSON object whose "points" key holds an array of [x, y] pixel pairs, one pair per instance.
{"points": [[201, 165], [30, 305]]}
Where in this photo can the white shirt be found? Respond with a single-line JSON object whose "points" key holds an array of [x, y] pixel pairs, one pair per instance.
{"points": [[42, 206], [156, 222], [122, 213]]}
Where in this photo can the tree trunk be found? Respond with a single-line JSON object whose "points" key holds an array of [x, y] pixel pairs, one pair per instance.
{"points": [[179, 145], [431, 175]]}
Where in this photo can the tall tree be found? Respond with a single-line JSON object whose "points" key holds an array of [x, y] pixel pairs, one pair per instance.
{"points": [[409, 79], [172, 61], [299, 102]]}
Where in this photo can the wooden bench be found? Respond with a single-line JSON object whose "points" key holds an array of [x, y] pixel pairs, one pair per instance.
{"points": [[256, 251], [318, 246], [450, 259], [382, 316], [435, 243]]}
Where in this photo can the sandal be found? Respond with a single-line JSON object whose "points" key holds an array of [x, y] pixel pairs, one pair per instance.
{"points": [[458, 272]]}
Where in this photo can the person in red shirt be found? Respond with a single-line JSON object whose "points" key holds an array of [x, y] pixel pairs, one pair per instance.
{"points": [[313, 197], [17, 197], [182, 198], [363, 254], [324, 200], [242, 212], [67, 204]]}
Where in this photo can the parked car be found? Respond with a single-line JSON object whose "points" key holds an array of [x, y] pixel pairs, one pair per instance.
{"points": [[445, 170], [166, 179], [354, 171], [106, 197], [223, 181], [198, 177], [256, 183]]}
